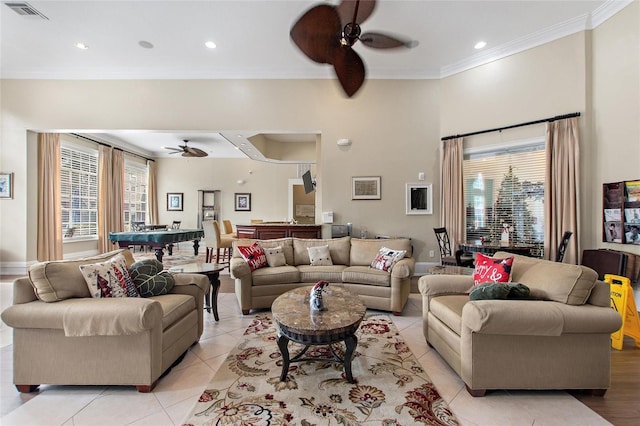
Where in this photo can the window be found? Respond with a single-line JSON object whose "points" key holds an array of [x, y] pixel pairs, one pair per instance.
{"points": [[79, 191], [135, 193], [505, 187]]}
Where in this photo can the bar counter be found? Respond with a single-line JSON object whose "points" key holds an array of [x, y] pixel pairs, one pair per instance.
{"points": [[272, 230]]}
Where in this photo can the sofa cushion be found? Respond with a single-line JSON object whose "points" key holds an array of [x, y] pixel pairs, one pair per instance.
{"points": [[366, 275], [275, 256], [364, 251], [386, 258], [253, 255], [338, 248], [560, 282], [109, 278], [312, 274], [319, 256], [150, 279], [277, 275], [492, 270], [285, 243], [57, 280]]}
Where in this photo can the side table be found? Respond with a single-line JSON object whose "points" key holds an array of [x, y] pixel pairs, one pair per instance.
{"points": [[212, 271]]}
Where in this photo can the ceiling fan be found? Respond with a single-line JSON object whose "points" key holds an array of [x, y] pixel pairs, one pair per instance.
{"points": [[326, 34], [186, 151]]}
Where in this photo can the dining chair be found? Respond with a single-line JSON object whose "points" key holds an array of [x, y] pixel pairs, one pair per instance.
{"points": [[215, 243], [447, 257], [228, 229], [176, 224], [563, 246]]}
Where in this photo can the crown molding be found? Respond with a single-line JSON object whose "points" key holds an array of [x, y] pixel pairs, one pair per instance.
{"points": [[538, 38]]}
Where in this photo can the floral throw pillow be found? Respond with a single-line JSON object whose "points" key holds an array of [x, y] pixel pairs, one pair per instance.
{"points": [[254, 256], [386, 258], [492, 270], [109, 279]]}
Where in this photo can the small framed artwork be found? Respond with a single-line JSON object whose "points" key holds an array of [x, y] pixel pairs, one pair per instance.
{"points": [[419, 198], [6, 185], [365, 188], [243, 202], [174, 201]]}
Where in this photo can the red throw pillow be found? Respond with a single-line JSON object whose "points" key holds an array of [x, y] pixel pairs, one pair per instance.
{"points": [[254, 255], [492, 270]]}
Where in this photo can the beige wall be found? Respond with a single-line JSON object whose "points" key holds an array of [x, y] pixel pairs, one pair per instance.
{"points": [[395, 126], [616, 107]]}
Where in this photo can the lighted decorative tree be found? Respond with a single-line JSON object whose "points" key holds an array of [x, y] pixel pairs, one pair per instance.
{"points": [[511, 208]]}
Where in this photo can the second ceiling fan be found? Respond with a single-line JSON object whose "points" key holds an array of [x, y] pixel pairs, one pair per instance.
{"points": [[186, 151], [326, 34]]}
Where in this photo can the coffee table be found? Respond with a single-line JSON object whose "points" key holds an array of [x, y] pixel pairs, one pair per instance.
{"points": [[212, 271], [338, 323]]}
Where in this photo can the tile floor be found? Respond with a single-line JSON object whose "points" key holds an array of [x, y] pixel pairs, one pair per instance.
{"points": [[175, 394]]}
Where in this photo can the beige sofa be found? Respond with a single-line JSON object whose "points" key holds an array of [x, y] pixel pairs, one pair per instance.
{"points": [[351, 258], [61, 335], [561, 340]]}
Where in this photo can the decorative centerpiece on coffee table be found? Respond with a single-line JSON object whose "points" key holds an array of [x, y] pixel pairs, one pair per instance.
{"points": [[338, 322]]}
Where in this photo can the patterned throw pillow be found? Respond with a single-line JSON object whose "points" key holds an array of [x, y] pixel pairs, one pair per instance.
{"points": [[109, 279], [489, 291], [320, 256], [254, 256], [492, 270], [275, 256], [150, 279], [386, 258]]}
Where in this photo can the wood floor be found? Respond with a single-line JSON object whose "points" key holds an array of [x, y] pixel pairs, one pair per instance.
{"points": [[621, 403]]}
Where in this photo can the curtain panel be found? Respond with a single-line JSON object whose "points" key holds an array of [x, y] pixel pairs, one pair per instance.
{"points": [[110, 195], [49, 244], [452, 196], [562, 192], [152, 193]]}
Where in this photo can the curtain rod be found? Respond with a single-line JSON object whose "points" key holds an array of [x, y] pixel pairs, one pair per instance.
{"points": [[111, 146], [499, 129]]}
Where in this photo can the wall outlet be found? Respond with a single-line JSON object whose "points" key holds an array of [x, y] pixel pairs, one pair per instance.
{"points": [[432, 253]]}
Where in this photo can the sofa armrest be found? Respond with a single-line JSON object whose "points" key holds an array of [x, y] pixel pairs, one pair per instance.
{"points": [[183, 279], [439, 285], [404, 268], [239, 268], [88, 316], [538, 318], [23, 291]]}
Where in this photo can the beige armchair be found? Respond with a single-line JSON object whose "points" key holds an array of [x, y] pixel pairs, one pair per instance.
{"points": [[559, 340], [63, 336]]}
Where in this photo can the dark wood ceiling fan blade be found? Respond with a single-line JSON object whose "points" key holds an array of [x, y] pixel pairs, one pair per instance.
{"points": [[349, 69], [347, 8], [385, 41], [317, 33], [194, 152]]}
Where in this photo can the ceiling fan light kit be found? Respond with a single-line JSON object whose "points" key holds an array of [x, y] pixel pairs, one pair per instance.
{"points": [[326, 34]]}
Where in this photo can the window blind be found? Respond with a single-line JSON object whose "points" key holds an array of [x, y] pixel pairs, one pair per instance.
{"points": [[504, 188], [79, 191], [135, 193]]}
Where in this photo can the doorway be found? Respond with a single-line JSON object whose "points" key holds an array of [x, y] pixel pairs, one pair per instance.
{"points": [[302, 207]]}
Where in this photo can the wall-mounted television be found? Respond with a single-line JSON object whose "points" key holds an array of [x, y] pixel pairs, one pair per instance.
{"points": [[309, 184]]}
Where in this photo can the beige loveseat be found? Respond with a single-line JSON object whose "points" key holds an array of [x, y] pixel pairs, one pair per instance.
{"points": [[561, 340], [351, 258], [61, 335]]}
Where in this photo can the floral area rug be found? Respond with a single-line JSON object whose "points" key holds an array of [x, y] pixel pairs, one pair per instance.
{"points": [[390, 388]]}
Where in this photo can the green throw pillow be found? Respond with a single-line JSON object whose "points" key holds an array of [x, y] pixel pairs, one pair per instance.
{"points": [[488, 291], [150, 279]]}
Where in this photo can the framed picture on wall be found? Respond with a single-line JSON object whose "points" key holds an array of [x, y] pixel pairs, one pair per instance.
{"points": [[6, 185], [174, 201], [419, 199], [243, 202], [365, 188]]}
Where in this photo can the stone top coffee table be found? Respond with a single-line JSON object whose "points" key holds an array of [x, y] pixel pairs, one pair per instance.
{"points": [[339, 322]]}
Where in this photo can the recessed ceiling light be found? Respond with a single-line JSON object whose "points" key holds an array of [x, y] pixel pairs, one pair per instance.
{"points": [[145, 44], [210, 45], [480, 44], [82, 46]]}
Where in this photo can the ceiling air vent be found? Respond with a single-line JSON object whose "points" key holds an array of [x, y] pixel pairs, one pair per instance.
{"points": [[25, 9]]}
